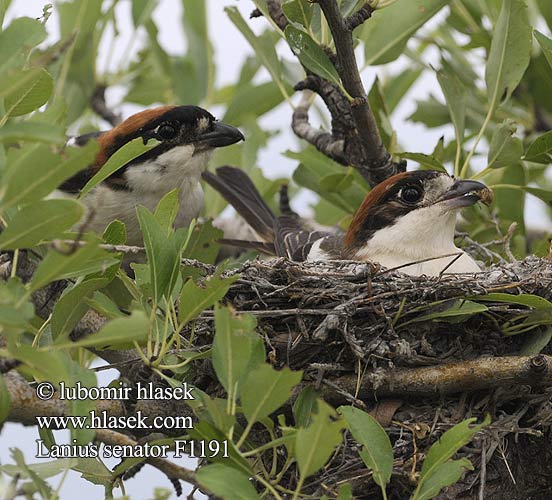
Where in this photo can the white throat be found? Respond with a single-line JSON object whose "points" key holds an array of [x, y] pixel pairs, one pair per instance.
{"points": [[148, 183], [421, 234]]}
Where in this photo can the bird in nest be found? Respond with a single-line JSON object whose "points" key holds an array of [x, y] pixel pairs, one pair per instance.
{"points": [[406, 222]]}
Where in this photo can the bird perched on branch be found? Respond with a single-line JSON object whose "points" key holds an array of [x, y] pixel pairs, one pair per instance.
{"points": [[404, 220], [187, 135]]}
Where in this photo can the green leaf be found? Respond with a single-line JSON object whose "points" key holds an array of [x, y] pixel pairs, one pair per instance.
{"points": [[217, 411], [510, 52], [35, 171], [71, 307], [266, 389], [377, 453], [299, 11], [56, 266], [167, 209], [44, 219], [315, 166], [311, 55], [546, 10], [194, 298], [205, 431], [397, 87], [546, 45], [431, 113], [450, 309], [345, 492], [378, 104], [543, 194], [27, 91], [203, 245], [163, 251], [540, 150], [142, 10], [535, 342], [253, 100], [315, 443], [118, 333], [263, 47], [33, 132], [16, 311], [424, 160], [443, 476], [336, 183], [524, 299], [115, 233], [44, 365], [43, 470], [37, 483], [456, 96], [5, 402], [16, 40], [504, 149], [304, 406], [200, 50], [441, 451], [383, 45], [81, 406], [226, 482], [234, 345], [119, 159]]}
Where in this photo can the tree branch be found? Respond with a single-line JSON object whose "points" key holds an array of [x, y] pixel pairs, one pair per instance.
{"points": [[467, 376], [357, 18], [99, 106], [378, 164], [323, 141]]}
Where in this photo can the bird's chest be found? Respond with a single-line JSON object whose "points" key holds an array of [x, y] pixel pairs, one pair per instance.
{"points": [[105, 205]]}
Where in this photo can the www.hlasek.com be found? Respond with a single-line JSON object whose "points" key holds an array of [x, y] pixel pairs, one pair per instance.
{"points": [[103, 420]]}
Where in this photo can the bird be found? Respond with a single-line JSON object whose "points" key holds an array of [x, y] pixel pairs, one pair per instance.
{"points": [[406, 222], [187, 136]]}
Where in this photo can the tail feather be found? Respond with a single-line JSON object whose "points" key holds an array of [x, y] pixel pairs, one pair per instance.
{"points": [[238, 190], [260, 246]]}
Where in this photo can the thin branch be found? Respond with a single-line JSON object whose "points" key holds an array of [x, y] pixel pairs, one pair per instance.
{"points": [[275, 10], [99, 106], [127, 249], [359, 17], [323, 141], [170, 469], [378, 164], [346, 144]]}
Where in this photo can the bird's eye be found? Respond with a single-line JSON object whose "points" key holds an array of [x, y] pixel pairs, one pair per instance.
{"points": [[166, 132], [411, 194]]}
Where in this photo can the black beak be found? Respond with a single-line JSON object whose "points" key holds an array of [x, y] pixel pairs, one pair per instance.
{"points": [[465, 193], [221, 135]]}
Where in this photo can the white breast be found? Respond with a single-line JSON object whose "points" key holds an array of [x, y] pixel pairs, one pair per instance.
{"points": [[421, 234], [149, 182]]}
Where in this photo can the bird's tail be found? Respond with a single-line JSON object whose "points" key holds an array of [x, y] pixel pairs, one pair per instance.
{"points": [[238, 190]]}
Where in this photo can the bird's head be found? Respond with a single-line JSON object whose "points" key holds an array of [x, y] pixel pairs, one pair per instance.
{"points": [[186, 134], [412, 213], [173, 127]]}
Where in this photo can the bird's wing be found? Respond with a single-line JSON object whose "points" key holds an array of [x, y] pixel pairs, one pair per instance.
{"points": [[292, 239]]}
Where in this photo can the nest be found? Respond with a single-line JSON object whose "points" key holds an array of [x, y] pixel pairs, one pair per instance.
{"points": [[355, 330], [335, 313], [341, 321]]}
